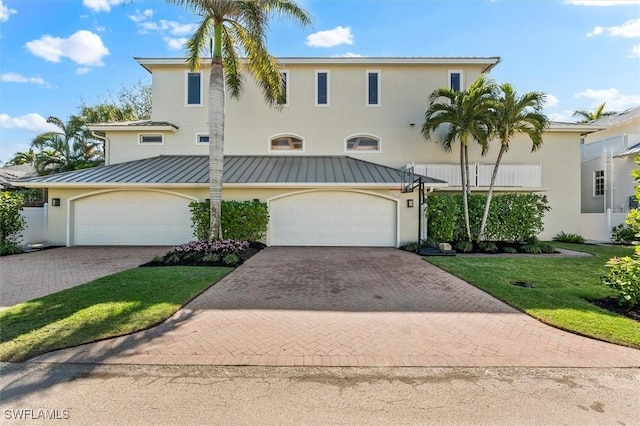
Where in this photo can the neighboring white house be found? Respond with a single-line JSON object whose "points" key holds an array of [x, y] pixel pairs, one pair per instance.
{"points": [[607, 188], [327, 163]]}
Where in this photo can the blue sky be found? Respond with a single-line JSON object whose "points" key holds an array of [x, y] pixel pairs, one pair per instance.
{"points": [[57, 54]]}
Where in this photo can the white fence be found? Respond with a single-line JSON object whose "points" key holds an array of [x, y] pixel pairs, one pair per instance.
{"points": [[36, 225], [509, 175], [597, 226]]}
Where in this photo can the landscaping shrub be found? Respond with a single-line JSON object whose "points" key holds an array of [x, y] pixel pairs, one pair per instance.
{"points": [[11, 222], [464, 246], [624, 277], [514, 218], [569, 238], [488, 247], [241, 220], [216, 253], [623, 234], [624, 272], [442, 213]]}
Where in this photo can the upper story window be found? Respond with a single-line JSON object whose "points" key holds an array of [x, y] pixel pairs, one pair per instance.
{"points": [[151, 138], [194, 89], [202, 139], [598, 182], [373, 88], [284, 99], [455, 81], [322, 88], [363, 143], [286, 143]]}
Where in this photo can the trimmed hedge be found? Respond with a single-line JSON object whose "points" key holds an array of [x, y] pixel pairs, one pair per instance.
{"points": [[514, 218], [241, 220]]}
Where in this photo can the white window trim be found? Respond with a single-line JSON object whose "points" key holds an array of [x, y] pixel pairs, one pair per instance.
{"points": [[366, 135], [198, 139], [140, 135], [186, 90], [604, 189], [328, 89], [285, 151], [287, 93], [366, 87], [462, 86]]}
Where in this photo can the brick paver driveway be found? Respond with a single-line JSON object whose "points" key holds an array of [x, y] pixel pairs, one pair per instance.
{"points": [[349, 307], [31, 275]]}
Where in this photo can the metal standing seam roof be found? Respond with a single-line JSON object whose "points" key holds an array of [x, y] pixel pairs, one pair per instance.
{"points": [[238, 169], [632, 150]]}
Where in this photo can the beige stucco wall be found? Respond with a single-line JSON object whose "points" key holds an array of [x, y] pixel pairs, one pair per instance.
{"points": [[250, 123]]}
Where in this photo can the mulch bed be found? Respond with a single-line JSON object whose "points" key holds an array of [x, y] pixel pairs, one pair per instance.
{"points": [[611, 304]]}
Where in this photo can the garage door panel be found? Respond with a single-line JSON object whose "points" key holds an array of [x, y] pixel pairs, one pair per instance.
{"points": [[132, 218], [333, 218]]}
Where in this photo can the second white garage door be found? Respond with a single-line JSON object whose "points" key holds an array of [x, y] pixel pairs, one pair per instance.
{"points": [[132, 218], [333, 218]]}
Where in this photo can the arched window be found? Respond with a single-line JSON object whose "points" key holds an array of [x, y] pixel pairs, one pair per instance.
{"points": [[286, 143], [363, 143]]}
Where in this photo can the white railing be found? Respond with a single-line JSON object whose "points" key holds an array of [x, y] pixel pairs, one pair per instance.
{"points": [[509, 175]]}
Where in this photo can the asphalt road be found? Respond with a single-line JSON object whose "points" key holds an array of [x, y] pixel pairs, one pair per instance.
{"points": [[132, 395]]}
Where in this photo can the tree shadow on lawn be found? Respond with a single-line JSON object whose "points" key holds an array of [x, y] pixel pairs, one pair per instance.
{"points": [[17, 384]]}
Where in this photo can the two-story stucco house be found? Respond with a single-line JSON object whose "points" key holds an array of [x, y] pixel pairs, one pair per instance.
{"points": [[327, 163]]}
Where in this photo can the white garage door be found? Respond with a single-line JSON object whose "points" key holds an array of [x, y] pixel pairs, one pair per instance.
{"points": [[332, 218], [132, 218]]}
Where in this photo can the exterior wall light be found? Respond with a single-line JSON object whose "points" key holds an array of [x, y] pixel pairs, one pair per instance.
{"points": [[55, 202], [410, 203]]}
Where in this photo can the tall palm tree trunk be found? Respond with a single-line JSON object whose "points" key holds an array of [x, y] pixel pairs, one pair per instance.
{"points": [[216, 136], [464, 175], [487, 204]]}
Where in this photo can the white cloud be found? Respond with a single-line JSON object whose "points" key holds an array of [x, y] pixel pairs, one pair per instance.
{"points": [[12, 77], [162, 26], [82, 70], [33, 121], [329, 38], [562, 116], [5, 12], [175, 43], [615, 100], [629, 29], [349, 55], [141, 16], [83, 48], [635, 51], [602, 3], [551, 101], [101, 5]]}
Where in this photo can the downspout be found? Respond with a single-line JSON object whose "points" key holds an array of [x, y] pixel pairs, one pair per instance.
{"points": [[104, 139]]}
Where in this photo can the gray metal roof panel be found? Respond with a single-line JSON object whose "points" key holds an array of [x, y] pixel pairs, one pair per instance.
{"points": [[194, 169]]}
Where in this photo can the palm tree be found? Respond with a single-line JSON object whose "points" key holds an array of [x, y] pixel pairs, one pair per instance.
{"points": [[65, 150], [588, 116], [28, 157], [468, 116], [227, 30], [514, 114]]}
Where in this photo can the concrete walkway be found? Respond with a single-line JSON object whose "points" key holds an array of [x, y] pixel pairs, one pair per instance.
{"points": [[28, 276], [349, 307]]}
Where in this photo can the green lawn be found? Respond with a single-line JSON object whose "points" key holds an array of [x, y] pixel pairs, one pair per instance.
{"points": [[563, 288], [111, 306]]}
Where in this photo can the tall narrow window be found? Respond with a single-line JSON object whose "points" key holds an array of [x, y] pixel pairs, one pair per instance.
{"points": [[598, 182], [322, 88], [194, 88], [284, 97], [373, 88], [455, 80]]}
